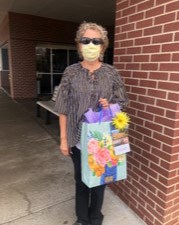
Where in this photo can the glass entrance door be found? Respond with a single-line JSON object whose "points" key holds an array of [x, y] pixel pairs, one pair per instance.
{"points": [[51, 63]]}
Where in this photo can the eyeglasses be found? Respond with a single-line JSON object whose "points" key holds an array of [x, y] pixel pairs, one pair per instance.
{"points": [[95, 41]]}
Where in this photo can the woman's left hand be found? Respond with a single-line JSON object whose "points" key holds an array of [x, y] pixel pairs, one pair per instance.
{"points": [[104, 103]]}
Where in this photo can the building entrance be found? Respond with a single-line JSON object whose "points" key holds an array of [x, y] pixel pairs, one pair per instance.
{"points": [[51, 62]]}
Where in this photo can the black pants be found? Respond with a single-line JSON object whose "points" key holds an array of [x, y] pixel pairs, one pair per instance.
{"points": [[88, 200]]}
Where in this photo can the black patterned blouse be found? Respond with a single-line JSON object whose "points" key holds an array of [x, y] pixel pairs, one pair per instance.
{"points": [[80, 90]]}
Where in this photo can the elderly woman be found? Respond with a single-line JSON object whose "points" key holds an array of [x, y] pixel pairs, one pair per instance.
{"points": [[86, 85]]}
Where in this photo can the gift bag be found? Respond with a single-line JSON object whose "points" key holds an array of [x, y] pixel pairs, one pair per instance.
{"points": [[100, 163]]}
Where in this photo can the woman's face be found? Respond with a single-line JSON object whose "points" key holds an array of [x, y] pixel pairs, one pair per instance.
{"points": [[91, 45]]}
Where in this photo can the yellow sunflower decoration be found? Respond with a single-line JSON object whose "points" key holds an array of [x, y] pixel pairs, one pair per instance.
{"points": [[121, 121]]}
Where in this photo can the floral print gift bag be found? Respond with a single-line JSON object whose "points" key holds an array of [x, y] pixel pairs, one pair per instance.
{"points": [[103, 161]]}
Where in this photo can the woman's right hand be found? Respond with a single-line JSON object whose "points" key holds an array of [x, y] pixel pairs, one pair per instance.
{"points": [[64, 147]]}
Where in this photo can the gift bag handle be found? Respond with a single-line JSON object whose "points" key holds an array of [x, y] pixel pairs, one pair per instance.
{"points": [[102, 112]]}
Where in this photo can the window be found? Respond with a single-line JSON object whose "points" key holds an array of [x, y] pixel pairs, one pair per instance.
{"points": [[43, 60], [4, 60], [51, 62]]}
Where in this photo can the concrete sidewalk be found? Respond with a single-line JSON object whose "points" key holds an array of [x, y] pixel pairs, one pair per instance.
{"points": [[36, 181]]}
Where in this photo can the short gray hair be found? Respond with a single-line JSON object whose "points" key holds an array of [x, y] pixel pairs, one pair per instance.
{"points": [[92, 26]]}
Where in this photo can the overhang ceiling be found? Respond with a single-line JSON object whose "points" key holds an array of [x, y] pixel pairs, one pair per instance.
{"points": [[100, 11]]}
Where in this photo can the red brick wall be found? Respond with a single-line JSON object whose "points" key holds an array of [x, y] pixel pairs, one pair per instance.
{"points": [[4, 30], [25, 33], [22, 68], [146, 54], [41, 29]]}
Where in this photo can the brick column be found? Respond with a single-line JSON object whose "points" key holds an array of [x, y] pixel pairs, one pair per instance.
{"points": [[22, 68], [147, 56]]}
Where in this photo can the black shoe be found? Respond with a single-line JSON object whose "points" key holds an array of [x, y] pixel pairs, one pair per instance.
{"points": [[97, 221]]}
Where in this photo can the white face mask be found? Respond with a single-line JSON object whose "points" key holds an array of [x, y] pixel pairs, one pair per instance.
{"points": [[91, 52]]}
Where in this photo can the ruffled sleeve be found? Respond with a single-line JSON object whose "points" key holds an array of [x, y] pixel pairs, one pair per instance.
{"points": [[62, 101], [119, 91]]}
